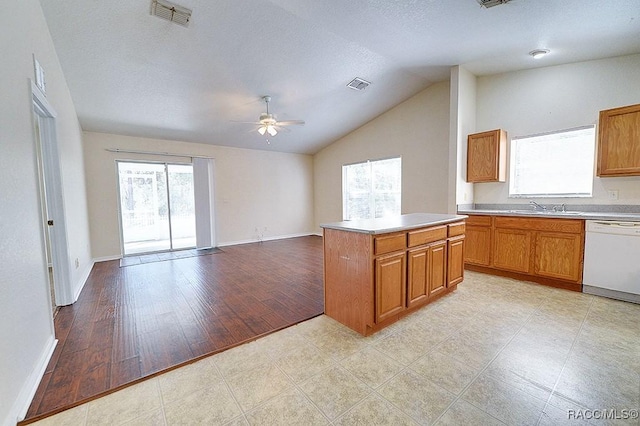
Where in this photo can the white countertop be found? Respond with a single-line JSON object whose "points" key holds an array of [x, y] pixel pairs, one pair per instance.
{"points": [[395, 223]]}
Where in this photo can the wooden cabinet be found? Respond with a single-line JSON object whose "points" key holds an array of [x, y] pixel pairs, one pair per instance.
{"points": [[619, 142], [487, 156], [545, 250], [478, 240], [390, 285], [373, 280], [558, 255], [455, 261], [511, 249]]}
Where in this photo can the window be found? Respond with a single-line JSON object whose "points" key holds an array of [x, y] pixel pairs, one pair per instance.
{"points": [[558, 164], [371, 189]]}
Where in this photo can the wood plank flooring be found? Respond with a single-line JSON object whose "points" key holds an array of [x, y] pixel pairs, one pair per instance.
{"points": [[136, 321]]}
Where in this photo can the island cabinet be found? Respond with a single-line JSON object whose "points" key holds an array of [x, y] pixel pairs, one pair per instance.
{"points": [[545, 250], [373, 279]]}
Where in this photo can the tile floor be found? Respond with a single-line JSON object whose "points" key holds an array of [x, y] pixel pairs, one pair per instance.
{"points": [[496, 351]]}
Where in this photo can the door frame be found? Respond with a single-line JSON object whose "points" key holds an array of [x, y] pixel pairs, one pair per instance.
{"points": [[46, 115]]}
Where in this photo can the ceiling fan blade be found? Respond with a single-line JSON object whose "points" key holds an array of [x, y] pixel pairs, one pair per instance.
{"points": [[257, 123], [290, 123]]}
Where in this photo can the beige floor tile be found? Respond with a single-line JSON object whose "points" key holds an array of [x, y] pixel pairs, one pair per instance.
{"points": [[241, 359], [463, 413], [155, 418], [289, 408], [371, 366], [238, 421], [471, 349], [76, 416], [279, 344], [374, 410], [339, 342], [214, 405], [125, 405], [504, 401], [334, 391], [253, 387], [178, 383], [403, 347], [417, 397], [553, 416], [315, 325], [304, 361], [445, 371]]}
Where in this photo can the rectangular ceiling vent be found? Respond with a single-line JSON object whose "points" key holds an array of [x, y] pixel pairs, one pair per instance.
{"points": [[491, 3], [171, 12], [358, 84]]}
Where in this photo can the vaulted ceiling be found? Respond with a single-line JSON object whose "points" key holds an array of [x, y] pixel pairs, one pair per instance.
{"points": [[135, 74]]}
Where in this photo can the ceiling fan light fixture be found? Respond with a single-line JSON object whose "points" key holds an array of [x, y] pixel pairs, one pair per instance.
{"points": [[262, 130], [272, 130]]}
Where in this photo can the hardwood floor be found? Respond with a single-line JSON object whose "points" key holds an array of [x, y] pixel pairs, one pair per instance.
{"points": [[136, 321]]}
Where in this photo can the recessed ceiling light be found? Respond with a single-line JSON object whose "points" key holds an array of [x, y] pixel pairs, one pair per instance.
{"points": [[538, 53]]}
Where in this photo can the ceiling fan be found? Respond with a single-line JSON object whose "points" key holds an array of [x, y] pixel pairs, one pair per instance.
{"points": [[267, 123]]}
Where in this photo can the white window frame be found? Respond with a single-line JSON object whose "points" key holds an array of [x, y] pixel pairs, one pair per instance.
{"points": [[345, 204], [514, 192]]}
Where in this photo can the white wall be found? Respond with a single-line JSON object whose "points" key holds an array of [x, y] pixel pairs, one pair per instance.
{"points": [[555, 98], [463, 122], [417, 130], [26, 329], [253, 189]]}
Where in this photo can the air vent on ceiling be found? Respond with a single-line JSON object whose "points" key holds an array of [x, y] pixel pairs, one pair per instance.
{"points": [[491, 3], [171, 12], [358, 84]]}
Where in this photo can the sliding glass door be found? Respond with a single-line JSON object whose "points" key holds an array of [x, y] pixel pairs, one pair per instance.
{"points": [[156, 206]]}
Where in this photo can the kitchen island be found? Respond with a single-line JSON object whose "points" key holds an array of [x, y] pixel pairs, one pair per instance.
{"points": [[378, 270]]}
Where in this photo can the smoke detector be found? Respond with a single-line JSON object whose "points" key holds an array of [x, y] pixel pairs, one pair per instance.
{"points": [[490, 3], [171, 12], [358, 84]]}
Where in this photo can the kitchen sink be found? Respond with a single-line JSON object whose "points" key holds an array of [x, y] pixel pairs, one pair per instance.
{"points": [[546, 212]]}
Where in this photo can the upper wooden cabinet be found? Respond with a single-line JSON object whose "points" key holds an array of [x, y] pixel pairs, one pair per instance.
{"points": [[487, 156], [619, 142]]}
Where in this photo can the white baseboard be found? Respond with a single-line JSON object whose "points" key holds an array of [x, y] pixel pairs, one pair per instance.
{"points": [[106, 258], [82, 281], [257, 240], [28, 391]]}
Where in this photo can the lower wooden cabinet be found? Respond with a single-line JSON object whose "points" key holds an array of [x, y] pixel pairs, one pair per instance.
{"points": [[545, 250], [418, 276], [455, 264], [390, 285], [511, 250], [558, 256]]}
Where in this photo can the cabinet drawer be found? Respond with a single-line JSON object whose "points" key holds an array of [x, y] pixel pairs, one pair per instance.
{"points": [[574, 226], [428, 235], [478, 220], [456, 229], [389, 243]]}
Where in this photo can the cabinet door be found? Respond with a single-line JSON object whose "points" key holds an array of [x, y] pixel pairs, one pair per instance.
{"points": [[390, 283], [478, 245], [455, 261], [619, 142], [559, 256], [437, 278], [417, 280], [486, 156], [511, 249]]}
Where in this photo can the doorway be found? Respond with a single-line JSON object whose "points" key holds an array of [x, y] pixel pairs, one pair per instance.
{"points": [[157, 209]]}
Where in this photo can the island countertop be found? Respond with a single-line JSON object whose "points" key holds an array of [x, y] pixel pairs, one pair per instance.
{"points": [[396, 223]]}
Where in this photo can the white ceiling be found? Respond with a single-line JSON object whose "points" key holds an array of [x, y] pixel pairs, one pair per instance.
{"points": [[134, 74]]}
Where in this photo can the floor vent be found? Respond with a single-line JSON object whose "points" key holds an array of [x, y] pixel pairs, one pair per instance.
{"points": [[171, 12], [491, 3], [358, 84]]}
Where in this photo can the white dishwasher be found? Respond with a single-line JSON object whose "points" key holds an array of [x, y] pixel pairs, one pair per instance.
{"points": [[612, 260]]}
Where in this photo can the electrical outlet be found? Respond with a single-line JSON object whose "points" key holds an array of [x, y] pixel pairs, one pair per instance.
{"points": [[77, 263], [613, 194]]}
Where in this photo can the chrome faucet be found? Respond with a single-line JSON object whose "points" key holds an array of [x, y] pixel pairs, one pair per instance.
{"points": [[537, 206], [561, 208]]}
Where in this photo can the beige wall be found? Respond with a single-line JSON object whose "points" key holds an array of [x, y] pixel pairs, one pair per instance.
{"points": [[417, 130], [270, 191], [26, 331], [554, 98]]}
